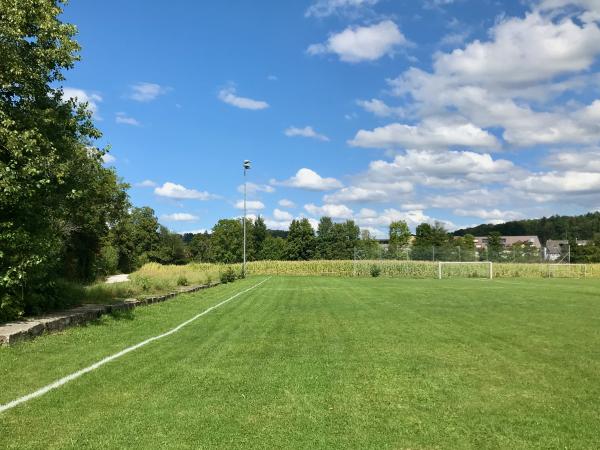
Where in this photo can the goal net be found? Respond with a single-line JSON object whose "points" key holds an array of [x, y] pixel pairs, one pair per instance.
{"points": [[471, 269], [567, 270]]}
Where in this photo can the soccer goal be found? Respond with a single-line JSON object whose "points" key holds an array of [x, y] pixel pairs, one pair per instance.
{"points": [[567, 270], [465, 269]]}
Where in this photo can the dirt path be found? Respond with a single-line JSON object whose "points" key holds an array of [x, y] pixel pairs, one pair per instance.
{"points": [[117, 278]]}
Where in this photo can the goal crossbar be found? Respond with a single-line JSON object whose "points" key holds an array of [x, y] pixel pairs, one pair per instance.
{"points": [[490, 265]]}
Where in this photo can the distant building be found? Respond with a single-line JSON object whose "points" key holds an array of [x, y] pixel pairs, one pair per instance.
{"points": [[558, 248], [481, 242]]}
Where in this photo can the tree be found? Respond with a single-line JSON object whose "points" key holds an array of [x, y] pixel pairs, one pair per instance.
{"points": [[344, 239], [367, 247], [199, 247], [494, 245], [57, 201], [273, 249], [227, 241], [259, 234], [301, 240], [399, 238], [325, 238], [170, 248]]}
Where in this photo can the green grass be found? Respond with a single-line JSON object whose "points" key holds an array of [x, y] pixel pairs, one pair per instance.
{"points": [[318, 362]]}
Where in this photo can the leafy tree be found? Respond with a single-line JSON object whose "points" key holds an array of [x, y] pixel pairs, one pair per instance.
{"points": [[494, 245], [273, 249], [325, 239], [301, 240], [170, 248], [199, 247], [367, 247], [345, 239], [399, 238], [259, 234], [56, 200], [227, 241]]}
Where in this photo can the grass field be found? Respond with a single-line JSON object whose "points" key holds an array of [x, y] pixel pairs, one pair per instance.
{"points": [[322, 362]]}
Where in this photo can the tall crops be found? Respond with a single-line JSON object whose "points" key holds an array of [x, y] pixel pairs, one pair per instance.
{"points": [[387, 268]]}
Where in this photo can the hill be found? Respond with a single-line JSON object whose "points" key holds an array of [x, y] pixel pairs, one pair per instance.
{"points": [[554, 227]]}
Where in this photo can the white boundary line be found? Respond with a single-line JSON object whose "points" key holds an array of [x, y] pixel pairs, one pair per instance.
{"points": [[100, 363]]}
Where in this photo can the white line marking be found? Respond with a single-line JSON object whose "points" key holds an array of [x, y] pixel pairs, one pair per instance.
{"points": [[94, 366]]}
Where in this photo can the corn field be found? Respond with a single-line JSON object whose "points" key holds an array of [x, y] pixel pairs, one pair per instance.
{"points": [[197, 272]]}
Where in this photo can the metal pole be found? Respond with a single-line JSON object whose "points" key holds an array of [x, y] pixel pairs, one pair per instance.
{"points": [[244, 263]]}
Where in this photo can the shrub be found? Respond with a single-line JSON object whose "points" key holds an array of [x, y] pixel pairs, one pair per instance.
{"points": [[182, 281], [375, 270], [228, 276]]}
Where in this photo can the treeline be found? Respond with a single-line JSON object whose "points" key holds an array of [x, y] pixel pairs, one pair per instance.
{"points": [[583, 227]]}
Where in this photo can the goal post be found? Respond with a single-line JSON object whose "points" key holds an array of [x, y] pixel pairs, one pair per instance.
{"points": [[467, 269]]}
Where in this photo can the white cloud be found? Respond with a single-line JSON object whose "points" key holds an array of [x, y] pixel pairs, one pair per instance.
{"points": [[179, 192], [146, 184], [379, 108], [489, 214], [81, 96], [329, 210], [310, 180], [325, 8], [280, 215], [569, 182], [383, 219], [228, 95], [272, 78], [583, 161], [251, 205], [180, 217], [123, 118], [431, 133], [253, 188], [305, 132], [107, 158], [286, 203], [360, 194], [368, 43], [146, 92]]}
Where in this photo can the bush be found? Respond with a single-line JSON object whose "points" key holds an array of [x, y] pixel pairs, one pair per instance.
{"points": [[182, 281], [228, 276], [375, 271]]}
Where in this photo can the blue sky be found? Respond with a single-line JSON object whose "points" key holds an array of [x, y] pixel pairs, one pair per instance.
{"points": [[461, 111]]}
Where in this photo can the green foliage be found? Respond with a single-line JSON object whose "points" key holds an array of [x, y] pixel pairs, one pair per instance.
{"points": [[273, 249], [57, 201], [399, 238], [227, 241], [182, 281], [301, 242], [375, 270], [228, 276]]}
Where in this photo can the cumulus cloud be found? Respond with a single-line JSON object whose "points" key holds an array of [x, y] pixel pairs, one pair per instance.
{"points": [[286, 203], [253, 188], [229, 96], [379, 108], [431, 133], [325, 8], [310, 180], [329, 210], [251, 205], [146, 184], [179, 192], [123, 118], [180, 217], [107, 158], [307, 131], [280, 215], [489, 214], [82, 96], [360, 194], [357, 44], [146, 92]]}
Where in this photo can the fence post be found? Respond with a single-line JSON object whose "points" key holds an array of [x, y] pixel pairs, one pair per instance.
{"points": [[439, 270]]}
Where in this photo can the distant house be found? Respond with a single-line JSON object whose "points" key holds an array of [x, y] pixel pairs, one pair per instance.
{"points": [[558, 248], [481, 242]]}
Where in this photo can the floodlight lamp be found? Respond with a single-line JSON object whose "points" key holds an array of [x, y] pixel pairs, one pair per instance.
{"points": [[246, 164]]}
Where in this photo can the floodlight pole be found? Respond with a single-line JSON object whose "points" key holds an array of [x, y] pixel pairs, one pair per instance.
{"points": [[246, 167]]}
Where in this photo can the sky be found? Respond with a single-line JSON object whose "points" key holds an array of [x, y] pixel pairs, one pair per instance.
{"points": [[458, 111]]}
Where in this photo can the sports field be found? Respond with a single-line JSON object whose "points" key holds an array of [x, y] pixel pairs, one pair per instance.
{"points": [[320, 362]]}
